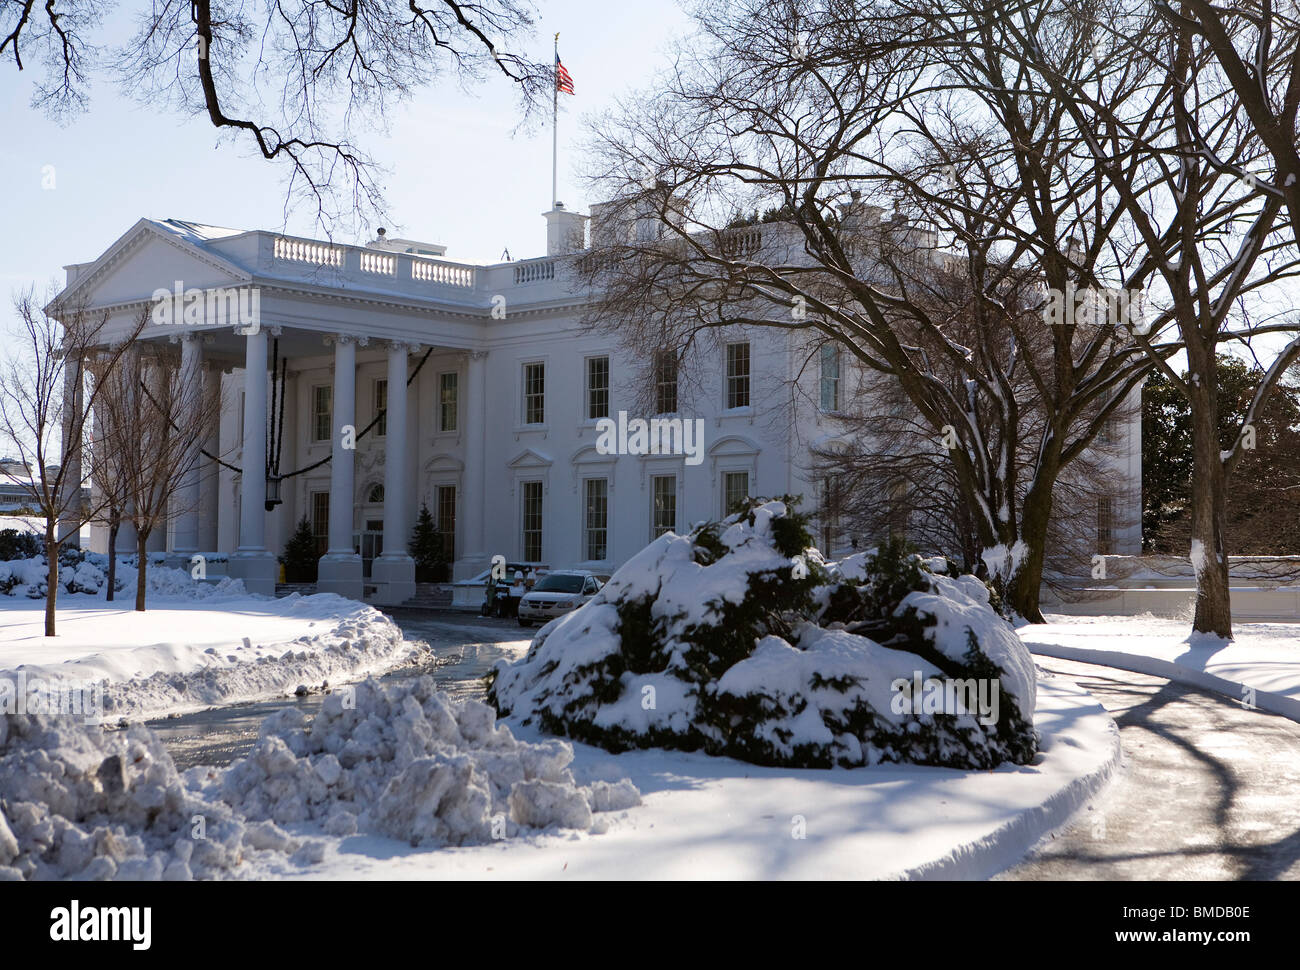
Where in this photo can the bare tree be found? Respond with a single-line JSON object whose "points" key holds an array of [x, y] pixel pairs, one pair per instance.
{"points": [[885, 477], [294, 79], [110, 445], [154, 418], [45, 410], [1256, 44], [1174, 160], [829, 114]]}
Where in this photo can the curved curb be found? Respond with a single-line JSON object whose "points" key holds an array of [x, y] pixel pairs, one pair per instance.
{"points": [[1267, 701], [1010, 842]]}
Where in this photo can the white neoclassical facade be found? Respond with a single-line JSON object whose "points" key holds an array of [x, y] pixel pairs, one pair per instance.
{"points": [[364, 381]]}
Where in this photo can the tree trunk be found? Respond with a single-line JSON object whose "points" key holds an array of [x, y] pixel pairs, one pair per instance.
{"points": [[141, 540], [51, 575], [1025, 588], [1209, 507], [113, 527]]}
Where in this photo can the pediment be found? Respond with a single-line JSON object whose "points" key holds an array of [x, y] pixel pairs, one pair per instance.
{"points": [[589, 455], [528, 458], [734, 444], [831, 444], [145, 259], [444, 464]]}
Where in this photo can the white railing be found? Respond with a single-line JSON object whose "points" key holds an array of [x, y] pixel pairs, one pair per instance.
{"points": [[384, 264], [448, 274], [742, 242], [303, 251], [535, 271]]}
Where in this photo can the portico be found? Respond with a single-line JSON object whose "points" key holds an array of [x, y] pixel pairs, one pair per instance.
{"points": [[381, 440]]}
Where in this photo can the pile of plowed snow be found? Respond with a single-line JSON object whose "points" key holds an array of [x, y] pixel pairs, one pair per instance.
{"points": [[411, 763], [185, 654], [405, 762], [78, 802]]}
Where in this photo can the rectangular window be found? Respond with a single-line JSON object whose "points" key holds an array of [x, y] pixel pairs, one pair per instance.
{"points": [[597, 388], [448, 395], [322, 412], [596, 493], [532, 499], [381, 407], [830, 378], [737, 375], [535, 393], [663, 509], [1105, 526], [735, 489], [446, 520], [665, 382], [830, 513], [900, 510], [320, 520]]}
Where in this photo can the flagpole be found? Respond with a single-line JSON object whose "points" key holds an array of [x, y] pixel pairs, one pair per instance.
{"points": [[555, 125]]}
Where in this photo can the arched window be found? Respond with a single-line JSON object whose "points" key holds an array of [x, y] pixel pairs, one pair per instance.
{"points": [[376, 496]]}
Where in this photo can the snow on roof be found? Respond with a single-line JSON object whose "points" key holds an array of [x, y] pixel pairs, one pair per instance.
{"points": [[196, 232]]}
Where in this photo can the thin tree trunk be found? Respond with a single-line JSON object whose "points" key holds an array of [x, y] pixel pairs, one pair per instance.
{"points": [[142, 539], [51, 576], [1209, 507], [113, 526]]}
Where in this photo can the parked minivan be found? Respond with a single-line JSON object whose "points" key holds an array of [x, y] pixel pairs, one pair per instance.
{"points": [[557, 593]]}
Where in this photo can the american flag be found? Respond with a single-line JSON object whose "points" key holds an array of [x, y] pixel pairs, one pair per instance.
{"points": [[563, 83]]}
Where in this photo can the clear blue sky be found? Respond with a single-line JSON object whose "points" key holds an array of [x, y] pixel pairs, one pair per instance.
{"points": [[457, 172]]}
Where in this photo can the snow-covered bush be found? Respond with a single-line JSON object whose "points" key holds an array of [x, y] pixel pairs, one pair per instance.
{"points": [[19, 544], [409, 762], [739, 640], [87, 572], [79, 572], [23, 577]]}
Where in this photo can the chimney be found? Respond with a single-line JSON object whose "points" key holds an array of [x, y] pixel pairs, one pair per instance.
{"points": [[610, 224], [565, 231], [856, 214]]}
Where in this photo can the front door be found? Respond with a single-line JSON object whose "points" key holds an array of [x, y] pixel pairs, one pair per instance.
{"points": [[372, 544]]}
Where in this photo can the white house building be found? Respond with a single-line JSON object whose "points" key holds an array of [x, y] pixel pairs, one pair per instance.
{"points": [[395, 376]]}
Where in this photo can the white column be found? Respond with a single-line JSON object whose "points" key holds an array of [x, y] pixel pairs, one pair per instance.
{"points": [[185, 540], [124, 543], [69, 526], [251, 561], [394, 571], [473, 431], [340, 568]]}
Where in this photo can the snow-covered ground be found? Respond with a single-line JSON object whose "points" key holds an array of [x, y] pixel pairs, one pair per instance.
{"points": [[194, 648], [390, 770], [1264, 657], [707, 817]]}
